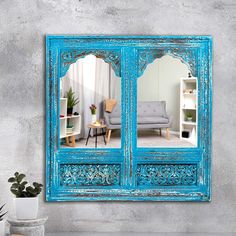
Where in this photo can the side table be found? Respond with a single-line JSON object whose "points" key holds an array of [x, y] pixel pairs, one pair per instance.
{"points": [[27, 227], [96, 127]]}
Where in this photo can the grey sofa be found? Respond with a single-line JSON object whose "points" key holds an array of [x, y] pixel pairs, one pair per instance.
{"points": [[151, 115]]}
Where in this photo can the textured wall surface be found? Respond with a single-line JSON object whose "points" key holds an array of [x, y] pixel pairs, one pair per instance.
{"points": [[23, 25]]}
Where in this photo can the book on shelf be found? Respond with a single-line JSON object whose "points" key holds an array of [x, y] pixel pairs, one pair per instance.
{"points": [[69, 129]]}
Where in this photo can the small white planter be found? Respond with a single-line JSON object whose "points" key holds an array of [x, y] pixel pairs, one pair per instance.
{"points": [[2, 227], [26, 208], [94, 118]]}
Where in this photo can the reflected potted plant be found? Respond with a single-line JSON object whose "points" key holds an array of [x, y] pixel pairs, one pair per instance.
{"points": [[2, 220], [189, 116], [71, 101], [93, 110], [26, 201]]}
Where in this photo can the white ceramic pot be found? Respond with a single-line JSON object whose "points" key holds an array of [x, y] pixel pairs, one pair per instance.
{"points": [[2, 227], [26, 208], [94, 118]]}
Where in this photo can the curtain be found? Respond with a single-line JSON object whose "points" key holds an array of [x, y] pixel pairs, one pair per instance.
{"points": [[102, 86], [87, 91], [93, 81], [115, 85], [107, 85]]}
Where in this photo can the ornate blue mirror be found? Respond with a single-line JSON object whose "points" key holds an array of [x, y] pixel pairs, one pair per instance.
{"points": [[128, 118]]}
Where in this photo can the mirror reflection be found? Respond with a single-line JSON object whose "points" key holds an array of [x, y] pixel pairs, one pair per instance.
{"points": [[167, 105], [90, 105]]}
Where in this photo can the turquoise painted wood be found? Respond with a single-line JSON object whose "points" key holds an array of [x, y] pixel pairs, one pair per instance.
{"points": [[128, 173]]}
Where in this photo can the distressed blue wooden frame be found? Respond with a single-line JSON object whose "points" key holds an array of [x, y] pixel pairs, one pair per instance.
{"points": [[128, 173]]}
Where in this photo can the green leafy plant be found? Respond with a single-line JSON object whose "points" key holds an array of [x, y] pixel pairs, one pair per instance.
{"points": [[71, 100], [1, 213], [189, 115], [19, 189]]}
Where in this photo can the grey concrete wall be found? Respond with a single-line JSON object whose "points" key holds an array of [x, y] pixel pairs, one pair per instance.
{"points": [[23, 25]]}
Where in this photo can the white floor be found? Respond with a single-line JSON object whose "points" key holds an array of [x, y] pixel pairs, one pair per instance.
{"points": [[139, 234], [146, 138], [152, 138]]}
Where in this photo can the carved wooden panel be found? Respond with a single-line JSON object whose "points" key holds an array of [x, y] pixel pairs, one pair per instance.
{"points": [[89, 175], [166, 175], [71, 56]]}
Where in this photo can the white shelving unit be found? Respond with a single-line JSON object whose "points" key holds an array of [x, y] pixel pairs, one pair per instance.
{"points": [[65, 120], [189, 104]]}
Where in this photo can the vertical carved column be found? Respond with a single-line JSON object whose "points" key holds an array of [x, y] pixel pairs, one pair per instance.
{"points": [[51, 113], [128, 75]]}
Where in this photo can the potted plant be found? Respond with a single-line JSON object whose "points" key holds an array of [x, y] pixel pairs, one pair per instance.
{"points": [[71, 101], [93, 109], [2, 220], [26, 201], [189, 116]]}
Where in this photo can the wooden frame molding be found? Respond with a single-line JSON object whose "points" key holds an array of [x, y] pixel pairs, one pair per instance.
{"points": [[128, 173]]}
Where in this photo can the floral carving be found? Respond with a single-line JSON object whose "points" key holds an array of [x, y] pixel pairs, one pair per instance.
{"points": [[71, 56], [88, 175], [187, 56], [164, 175]]}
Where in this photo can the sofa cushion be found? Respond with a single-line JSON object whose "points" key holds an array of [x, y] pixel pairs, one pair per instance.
{"points": [[152, 109], [116, 111], [142, 120], [152, 120], [115, 120], [150, 114]]}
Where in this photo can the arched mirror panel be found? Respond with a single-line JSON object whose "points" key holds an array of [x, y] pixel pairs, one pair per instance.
{"points": [[89, 92], [167, 108]]}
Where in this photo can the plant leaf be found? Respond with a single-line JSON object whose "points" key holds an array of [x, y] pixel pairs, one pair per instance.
{"points": [[15, 185], [22, 185], [15, 192], [2, 207], [30, 188], [1, 216], [11, 180], [21, 177], [71, 100], [35, 184]]}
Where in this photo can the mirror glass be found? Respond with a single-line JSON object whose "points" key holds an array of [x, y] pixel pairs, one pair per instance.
{"points": [[90, 101], [167, 105]]}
